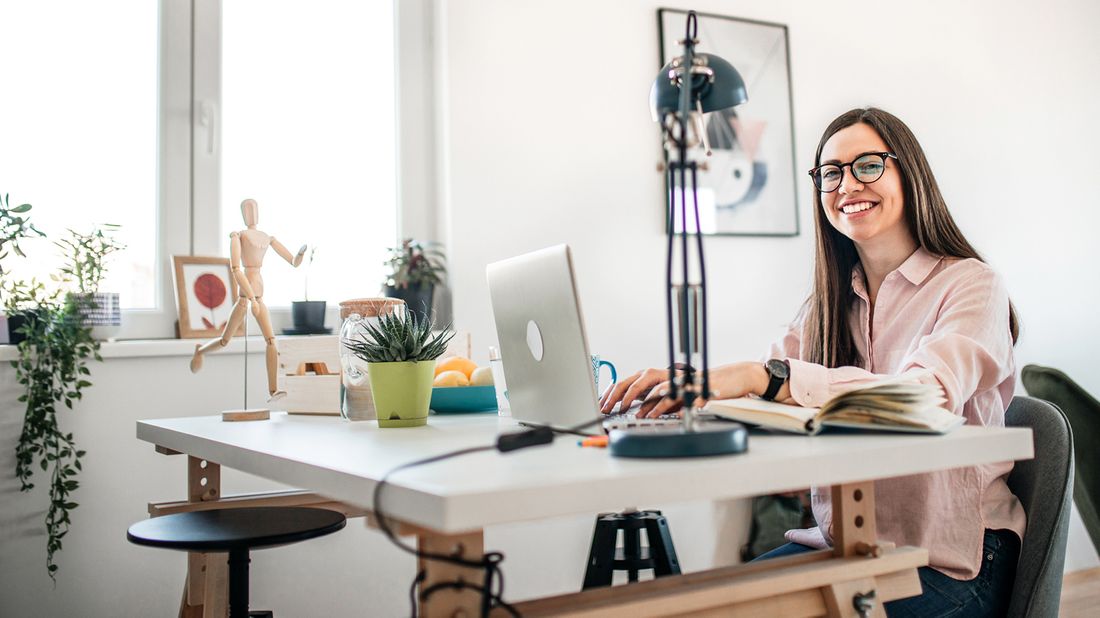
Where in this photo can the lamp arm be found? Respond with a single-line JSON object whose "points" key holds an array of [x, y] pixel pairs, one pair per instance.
{"points": [[668, 279], [681, 119], [705, 393]]}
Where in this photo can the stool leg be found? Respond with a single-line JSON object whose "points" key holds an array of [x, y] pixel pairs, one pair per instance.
{"points": [[238, 583], [660, 547], [601, 557], [632, 551]]}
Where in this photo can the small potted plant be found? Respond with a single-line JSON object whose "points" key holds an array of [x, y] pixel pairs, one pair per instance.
{"points": [[308, 315], [415, 270], [400, 352], [85, 267], [15, 225]]}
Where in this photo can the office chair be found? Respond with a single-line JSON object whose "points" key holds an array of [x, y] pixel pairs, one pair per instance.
{"points": [[1044, 487], [1083, 412]]}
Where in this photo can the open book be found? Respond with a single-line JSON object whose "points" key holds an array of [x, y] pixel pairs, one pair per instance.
{"points": [[897, 403]]}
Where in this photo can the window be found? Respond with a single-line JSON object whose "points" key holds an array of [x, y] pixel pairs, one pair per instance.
{"points": [[79, 131], [308, 131], [163, 116]]}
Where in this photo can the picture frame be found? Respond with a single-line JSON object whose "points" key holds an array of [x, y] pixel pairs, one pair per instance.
{"points": [[205, 294], [750, 185]]}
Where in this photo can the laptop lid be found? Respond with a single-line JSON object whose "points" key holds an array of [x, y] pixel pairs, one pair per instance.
{"points": [[543, 346]]}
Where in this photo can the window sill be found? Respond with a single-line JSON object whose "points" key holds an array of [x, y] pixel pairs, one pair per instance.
{"points": [[141, 348]]}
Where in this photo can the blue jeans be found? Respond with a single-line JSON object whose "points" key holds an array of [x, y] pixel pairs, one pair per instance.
{"points": [[987, 594]]}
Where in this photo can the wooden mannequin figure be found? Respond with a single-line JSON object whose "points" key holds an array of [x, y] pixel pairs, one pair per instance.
{"points": [[247, 249]]}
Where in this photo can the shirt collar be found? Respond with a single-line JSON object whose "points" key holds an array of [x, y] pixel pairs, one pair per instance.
{"points": [[915, 269], [918, 266]]}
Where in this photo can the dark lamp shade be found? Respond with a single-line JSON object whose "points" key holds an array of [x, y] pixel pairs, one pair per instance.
{"points": [[725, 91]]}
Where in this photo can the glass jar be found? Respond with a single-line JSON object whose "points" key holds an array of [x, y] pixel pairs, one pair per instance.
{"points": [[496, 365], [356, 402]]}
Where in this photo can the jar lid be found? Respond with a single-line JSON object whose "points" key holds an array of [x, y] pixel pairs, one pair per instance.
{"points": [[369, 307]]}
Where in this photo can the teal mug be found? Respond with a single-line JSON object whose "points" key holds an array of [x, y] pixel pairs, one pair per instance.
{"points": [[597, 364]]}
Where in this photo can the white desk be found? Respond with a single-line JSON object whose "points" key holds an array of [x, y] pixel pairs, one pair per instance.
{"points": [[458, 498]]}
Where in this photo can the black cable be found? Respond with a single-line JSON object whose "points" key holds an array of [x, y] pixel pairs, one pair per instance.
{"points": [[420, 576], [490, 561]]}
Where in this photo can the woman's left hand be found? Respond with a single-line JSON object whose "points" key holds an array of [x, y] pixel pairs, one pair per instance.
{"points": [[726, 382]]}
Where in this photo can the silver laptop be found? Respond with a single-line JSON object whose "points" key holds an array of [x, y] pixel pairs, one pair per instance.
{"points": [[542, 339]]}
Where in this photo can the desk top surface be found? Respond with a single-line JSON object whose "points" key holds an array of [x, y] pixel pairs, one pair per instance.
{"points": [[344, 460]]}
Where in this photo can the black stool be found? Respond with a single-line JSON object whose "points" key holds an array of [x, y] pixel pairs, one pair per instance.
{"points": [[604, 558], [236, 531]]}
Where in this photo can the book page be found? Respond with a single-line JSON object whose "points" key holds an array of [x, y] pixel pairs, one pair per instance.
{"points": [[929, 420], [764, 413], [895, 394]]}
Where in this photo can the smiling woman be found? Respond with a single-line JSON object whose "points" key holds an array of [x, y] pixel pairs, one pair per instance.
{"points": [[896, 287]]}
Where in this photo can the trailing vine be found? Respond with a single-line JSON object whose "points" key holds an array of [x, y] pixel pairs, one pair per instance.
{"points": [[52, 363], [52, 369]]}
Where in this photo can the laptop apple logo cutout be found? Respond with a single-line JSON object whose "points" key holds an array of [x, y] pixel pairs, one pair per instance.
{"points": [[534, 340]]}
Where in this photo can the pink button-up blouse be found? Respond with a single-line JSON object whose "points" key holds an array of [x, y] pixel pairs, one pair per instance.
{"points": [[950, 316]]}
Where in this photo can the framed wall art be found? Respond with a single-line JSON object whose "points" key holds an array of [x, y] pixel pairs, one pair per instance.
{"points": [[748, 188], [205, 294]]}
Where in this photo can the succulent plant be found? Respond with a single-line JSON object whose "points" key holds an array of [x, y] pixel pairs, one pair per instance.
{"points": [[400, 337]]}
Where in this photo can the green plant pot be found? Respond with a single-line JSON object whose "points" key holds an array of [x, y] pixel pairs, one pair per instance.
{"points": [[401, 392]]}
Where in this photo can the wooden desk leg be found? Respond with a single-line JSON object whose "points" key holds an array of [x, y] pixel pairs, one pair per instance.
{"points": [[451, 602], [854, 534], [205, 593], [216, 586]]}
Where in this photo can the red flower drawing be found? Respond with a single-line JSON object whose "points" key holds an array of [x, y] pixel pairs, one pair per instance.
{"points": [[210, 292]]}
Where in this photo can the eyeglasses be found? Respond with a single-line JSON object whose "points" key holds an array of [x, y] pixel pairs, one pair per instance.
{"points": [[867, 168]]}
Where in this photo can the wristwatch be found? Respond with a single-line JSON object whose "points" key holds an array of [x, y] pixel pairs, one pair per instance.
{"points": [[779, 371]]}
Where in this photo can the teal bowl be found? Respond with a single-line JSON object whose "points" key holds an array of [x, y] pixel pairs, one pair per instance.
{"points": [[459, 399]]}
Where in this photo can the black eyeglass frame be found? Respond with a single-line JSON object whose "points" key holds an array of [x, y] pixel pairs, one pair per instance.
{"points": [[881, 155]]}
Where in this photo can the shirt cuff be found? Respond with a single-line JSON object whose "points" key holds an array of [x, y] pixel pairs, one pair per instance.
{"points": [[809, 383], [811, 537]]}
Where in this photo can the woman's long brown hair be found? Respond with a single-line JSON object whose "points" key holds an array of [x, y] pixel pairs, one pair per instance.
{"points": [[826, 329]]}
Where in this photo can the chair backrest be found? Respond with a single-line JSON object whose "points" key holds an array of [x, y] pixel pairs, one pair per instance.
{"points": [[1083, 412], [1044, 486]]}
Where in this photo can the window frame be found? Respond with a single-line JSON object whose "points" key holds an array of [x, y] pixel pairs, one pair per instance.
{"points": [[173, 138], [189, 146]]}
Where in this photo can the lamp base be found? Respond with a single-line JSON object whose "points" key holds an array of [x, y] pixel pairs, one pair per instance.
{"points": [[707, 439]]}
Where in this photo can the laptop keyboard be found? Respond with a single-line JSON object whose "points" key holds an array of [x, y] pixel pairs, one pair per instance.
{"points": [[623, 421]]}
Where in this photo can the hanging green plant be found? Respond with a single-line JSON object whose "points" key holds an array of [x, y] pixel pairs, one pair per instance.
{"points": [[52, 363], [52, 369]]}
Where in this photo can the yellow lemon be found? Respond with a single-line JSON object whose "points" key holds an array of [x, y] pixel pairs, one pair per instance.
{"points": [[451, 378], [456, 363], [482, 376]]}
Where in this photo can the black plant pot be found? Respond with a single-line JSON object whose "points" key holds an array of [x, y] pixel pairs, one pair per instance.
{"points": [[418, 298], [16, 322], [308, 315]]}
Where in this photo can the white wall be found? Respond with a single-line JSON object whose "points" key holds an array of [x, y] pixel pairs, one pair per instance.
{"points": [[549, 140]]}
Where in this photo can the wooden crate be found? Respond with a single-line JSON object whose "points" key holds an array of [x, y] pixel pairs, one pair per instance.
{"points": [[309, 372]]}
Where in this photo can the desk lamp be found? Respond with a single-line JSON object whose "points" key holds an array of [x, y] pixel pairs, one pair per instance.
{"points": [[686, 88]]}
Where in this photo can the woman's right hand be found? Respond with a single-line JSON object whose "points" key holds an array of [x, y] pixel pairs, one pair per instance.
{"points": [[633, 387]]}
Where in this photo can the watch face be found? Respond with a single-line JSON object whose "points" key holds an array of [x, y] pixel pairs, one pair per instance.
{"points": [[778, 369]]}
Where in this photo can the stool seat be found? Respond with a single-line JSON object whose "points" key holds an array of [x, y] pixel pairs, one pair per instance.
{"points": [[236, 532], [223, 530]]}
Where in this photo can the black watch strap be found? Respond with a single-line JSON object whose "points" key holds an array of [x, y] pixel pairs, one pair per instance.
{"points": [[778, 371]]}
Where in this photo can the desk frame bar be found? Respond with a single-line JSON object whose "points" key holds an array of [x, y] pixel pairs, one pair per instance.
{"points": [[817, 584]]}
